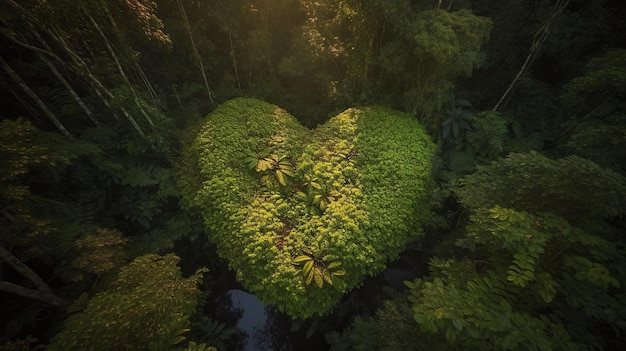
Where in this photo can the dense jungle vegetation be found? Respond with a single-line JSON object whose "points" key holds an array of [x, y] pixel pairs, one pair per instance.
{"points": [[156, 153]]}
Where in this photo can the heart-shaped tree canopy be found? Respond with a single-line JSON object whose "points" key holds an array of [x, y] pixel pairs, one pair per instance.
{"points": [[302, 216]]}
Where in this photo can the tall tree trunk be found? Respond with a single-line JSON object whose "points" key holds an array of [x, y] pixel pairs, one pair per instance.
{"points": [[232, 55], [67, 86], [41, 292], [539, 38], [196, 53], [146, 82], [96, 84], [34, 96], [121, 70], [43, 54], [144, 78]]}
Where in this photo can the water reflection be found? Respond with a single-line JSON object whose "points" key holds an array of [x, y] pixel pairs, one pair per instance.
{"points": [[269, 330], [253, 317], [264, 328]]}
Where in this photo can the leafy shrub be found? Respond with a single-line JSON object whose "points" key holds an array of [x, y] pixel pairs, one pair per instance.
{"points": [[354, 188], [527, 282], [488, 134], [571, 187], [147, 307]]}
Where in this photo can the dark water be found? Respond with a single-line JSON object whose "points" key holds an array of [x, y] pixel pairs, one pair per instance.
{"points": [[269, 330], [256, 327], [253, 318]]}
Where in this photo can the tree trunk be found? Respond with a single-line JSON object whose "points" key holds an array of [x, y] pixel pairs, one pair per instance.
{"points": [[232, 55], [538, 39], [97, 85], [42, 291], [196, 53], [67, 85], [34, 96], [121, 70]]}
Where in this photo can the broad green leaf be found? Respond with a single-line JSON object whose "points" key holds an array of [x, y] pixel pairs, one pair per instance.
{"points": [[456, 129], [327, 277], [307, 267], [334, 264], [329, 258], [302, 258], [339, 272], [279, 176], [319, 280], [322, 205], [457, 324], [310, 275]]}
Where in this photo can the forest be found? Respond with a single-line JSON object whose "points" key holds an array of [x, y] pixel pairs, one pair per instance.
{"points": [[379, 174]]}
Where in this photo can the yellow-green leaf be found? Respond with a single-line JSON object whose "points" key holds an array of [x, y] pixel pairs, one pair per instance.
{"points": [[307, 267], [334, 264], [318, 278], [309, 278], [339, 272], [327, 277], [302, 258], [280, 177]]}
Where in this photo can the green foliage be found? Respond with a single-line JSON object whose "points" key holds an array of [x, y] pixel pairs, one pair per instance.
{"points": [[193, 346], [357, 191], [446, 45], [457, 119], [596, 100], [321, 269], [37, 224], [147, 307], [603, 81], [518, 291], [539, 266], [273, 168], [533, 282], [571, 187], [213, 332], [101, 251], [29, 343], [392, 328], [488, 135]]}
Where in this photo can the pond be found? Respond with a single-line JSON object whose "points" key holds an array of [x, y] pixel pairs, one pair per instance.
{"points": [[252, 326]]}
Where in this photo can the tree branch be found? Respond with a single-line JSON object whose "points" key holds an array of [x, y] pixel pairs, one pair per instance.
{"points": [[43, 291], [539, 38]]}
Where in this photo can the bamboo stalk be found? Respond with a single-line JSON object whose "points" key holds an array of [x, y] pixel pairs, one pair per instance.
{"points": [[142, 75], [57, 123], [62, 79], [121, 70], [232, 55], [196, 53], [67, 85], [96, 84]]}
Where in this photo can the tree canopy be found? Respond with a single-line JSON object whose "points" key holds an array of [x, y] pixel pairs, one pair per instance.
{"points": [[472, 148]]}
